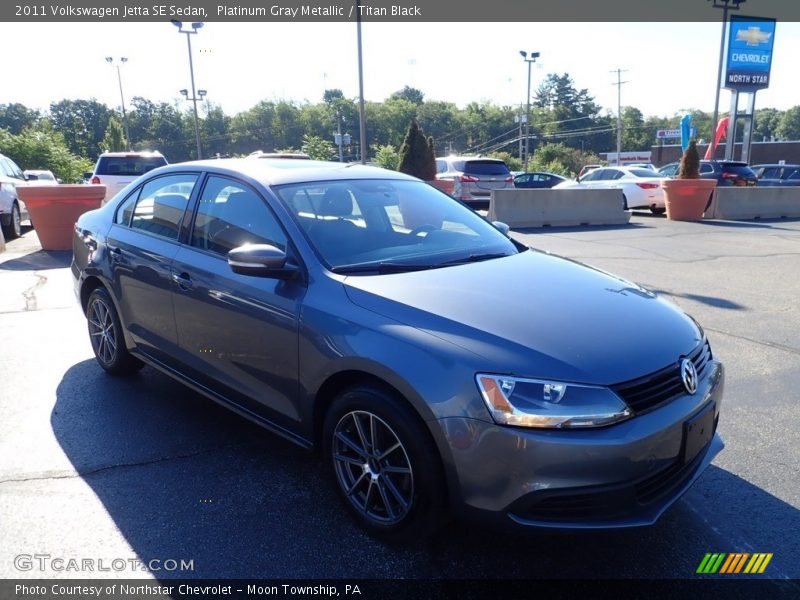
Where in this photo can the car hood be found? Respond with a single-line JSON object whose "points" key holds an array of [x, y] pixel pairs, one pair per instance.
{"points": [[536, 315]]}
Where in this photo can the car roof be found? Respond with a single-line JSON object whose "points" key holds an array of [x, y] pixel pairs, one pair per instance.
{"points": [[133, 153], [279, 171], [775, 165], [491, 158]]}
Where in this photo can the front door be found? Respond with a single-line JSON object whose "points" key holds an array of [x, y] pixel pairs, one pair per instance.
{"points": [[238, 334]]}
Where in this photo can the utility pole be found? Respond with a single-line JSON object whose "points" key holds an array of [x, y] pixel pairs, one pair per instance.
{"points": [[529, 58], [619, 83], [725, 5]]}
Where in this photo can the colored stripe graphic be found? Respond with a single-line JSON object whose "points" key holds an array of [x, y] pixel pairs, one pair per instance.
{"points": [[733, 563]]}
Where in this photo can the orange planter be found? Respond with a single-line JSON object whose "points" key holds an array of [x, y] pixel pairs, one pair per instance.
{"points": [[686, 199], [55, 208]]}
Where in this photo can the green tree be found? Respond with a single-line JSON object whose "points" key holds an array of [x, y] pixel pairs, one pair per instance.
{"points": [[318, 148], [411, 94], [514, 163], [387, 156], [36, 149], [83, 124], [789, 126], [415, 155], [16, 117], [766, 123], [114, 139]]}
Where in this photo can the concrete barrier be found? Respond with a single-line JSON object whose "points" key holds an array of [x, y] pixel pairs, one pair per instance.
{"points": [[563, 207], [754, 203]]}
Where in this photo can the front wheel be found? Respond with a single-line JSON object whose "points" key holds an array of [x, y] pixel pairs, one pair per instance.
{"points": [[384, 463], [105, 333], [657, 210], [12, 228]]}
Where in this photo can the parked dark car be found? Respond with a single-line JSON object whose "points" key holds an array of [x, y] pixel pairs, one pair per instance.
{"points": [[777, 174], [438, 365], [726, 172], [539, 180]]}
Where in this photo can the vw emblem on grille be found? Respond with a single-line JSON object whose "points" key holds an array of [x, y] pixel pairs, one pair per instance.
{"points": [[689, 376]]}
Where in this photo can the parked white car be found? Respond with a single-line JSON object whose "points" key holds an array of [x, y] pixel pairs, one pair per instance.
{"points": [[41, 177], [12, 209], [641, 188], [115, 170]]}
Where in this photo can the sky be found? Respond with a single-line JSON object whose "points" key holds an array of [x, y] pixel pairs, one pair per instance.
{"points": [[668, 67]]}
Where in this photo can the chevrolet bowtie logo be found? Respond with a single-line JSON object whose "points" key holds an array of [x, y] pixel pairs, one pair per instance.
{"points": [[752, 36]]}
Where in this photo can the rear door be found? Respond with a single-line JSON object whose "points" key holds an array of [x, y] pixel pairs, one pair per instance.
{"points": [[142, 243], [238, 334]]}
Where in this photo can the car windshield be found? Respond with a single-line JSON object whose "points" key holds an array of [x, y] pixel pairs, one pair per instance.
{"points": [[374, 226]]}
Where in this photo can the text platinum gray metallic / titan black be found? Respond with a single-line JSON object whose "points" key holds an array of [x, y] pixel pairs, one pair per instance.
{"points": [[439, 366]]}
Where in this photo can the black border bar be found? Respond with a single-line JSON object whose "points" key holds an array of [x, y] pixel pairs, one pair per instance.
{"points": [[445, 11]]}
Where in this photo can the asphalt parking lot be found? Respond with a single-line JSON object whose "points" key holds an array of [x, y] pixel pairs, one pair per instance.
{"points": [[103, 468]]}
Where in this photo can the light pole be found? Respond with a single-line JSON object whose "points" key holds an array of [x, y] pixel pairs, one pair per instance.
{"points": [[725, 5], [530, 61], [362, 125], [122, 61], [194, 98]]}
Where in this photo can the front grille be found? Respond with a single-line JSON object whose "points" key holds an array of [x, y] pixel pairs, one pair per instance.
{"points": [[662, 386]]}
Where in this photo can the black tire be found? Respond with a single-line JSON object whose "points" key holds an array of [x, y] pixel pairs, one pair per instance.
{"points": [[657, 211], [12, 229], [625, 202], [388, 474], [106, 336]]}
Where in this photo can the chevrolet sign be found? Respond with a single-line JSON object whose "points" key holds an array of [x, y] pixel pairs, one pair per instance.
{"points": [[750, 41]]}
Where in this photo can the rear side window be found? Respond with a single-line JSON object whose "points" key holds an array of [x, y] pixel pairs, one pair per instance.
{"points": [[739, 169], [128, 166], [483, 167], [162, 204], [644, 173]]}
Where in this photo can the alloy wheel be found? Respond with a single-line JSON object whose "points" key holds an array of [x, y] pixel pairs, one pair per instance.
{"points": [[102, 332], [373, 467]]}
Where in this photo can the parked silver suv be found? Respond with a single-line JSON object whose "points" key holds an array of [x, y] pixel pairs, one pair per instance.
{"points": [[115, 170], [474, 177], [12, 209]]}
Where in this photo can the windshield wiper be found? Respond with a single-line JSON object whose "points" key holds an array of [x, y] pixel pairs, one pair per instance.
{"points": [[475, 258], [381, 267]]}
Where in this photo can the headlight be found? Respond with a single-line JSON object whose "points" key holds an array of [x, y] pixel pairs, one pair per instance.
{"points": [[549, 404]]}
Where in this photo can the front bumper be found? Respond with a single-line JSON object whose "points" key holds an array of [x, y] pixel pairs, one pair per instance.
{"points": [[624, 475]]}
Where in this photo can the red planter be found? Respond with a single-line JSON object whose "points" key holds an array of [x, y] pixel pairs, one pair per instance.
{"points": [[55, 208], [686, 199]]}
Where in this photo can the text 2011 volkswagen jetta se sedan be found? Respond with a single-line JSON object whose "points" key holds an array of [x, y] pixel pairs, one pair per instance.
{"points": [[439, 365]]}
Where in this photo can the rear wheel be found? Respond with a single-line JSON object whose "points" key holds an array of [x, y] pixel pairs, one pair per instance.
{"points": [[105, 333], [657, 211], [384, 464], [12, 226]]}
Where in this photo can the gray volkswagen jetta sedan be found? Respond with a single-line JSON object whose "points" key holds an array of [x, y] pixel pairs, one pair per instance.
{"points": [[438, 365]]}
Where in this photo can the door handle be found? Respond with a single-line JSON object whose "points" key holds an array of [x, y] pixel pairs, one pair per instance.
{"points": [[183, 280], [115, 252]]}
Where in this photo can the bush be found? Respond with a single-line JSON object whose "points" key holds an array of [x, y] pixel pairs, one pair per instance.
{"points": [[33, 149], [416, 154]]}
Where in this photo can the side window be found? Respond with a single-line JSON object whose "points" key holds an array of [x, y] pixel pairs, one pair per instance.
{"points": [[230, 215], [162, 204], [706, 168], [522, 178], [125, 210], [441, 166], [616, 175], [5, 168]]}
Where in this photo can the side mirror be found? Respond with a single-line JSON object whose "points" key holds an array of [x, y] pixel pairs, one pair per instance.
{"points": [[261, 260], [501, 227]]}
